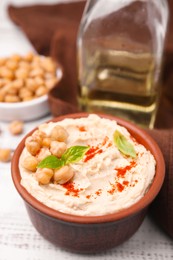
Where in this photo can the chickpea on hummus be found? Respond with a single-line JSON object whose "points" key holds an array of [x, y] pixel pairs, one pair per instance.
{"points": [[86, 166]]}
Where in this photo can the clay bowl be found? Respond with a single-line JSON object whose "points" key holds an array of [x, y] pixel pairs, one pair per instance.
{"points": [[89, 234]]}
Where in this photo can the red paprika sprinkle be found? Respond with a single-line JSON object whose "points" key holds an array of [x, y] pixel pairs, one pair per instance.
{"points": [[122, 171], [69, 186], [105, 140], [98, 192], [96, 149], [120, 187], [117, 186], [125, 183], [92, 152], [133, 184], [82, 129], [109, 145], [88, 196], [113, 189]]}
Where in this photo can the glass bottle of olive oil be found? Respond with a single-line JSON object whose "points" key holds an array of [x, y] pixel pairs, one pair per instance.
{"points": [[120, 49]]}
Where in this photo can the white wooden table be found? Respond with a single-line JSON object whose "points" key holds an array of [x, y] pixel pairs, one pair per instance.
{"points": [[18, 238]]}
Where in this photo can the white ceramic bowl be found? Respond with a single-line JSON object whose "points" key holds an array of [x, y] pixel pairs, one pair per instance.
{"points": [[27, 110]]}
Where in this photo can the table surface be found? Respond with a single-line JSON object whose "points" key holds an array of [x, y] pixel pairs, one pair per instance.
{"points": [[18, 238]]}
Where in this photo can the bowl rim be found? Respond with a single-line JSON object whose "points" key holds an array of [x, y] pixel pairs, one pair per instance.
{"points": [[142, 137]]}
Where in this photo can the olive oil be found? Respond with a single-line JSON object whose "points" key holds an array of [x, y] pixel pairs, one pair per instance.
{"points": [[121, 83]]}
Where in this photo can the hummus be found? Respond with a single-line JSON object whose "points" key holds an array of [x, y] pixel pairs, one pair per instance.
{"points": [[105, 181]]}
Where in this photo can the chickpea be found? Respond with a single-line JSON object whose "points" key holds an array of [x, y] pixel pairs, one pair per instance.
{"points": [[11, 64], [24, 93], [21, 73], [24, 65], [27, 98], [6, 73], [39, 81], [58, 148], [48, 75], [36, 72], [44, 175], [6, 81], [32, 145], [39, 136], [11, 98], [5, 155], [31, 84], [59, 133], [50, 83], [46, 142], [10, 89], [29, 57], [18, 83], [2, 96], [63, 175], [16, 127], [35, 64], [16, 57], [49, 65], [30, 163], [41, 91], [4, 89], [1, 83], [2, 61], [43, 153], [36, 59]]}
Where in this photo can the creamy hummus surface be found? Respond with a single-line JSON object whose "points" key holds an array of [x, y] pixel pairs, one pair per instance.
{"points": [[105, 180]]}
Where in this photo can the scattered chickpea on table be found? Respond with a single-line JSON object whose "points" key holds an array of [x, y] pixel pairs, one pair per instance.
{"points": [[5, 155], [15, 128], [39, 145], [23, 78]]}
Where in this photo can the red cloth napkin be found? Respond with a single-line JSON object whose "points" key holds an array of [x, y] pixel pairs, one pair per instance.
{"points": [[52, 29], [162, 208]]}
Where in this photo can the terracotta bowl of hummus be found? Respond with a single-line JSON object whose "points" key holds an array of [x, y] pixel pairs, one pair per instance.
{"points": [[87, 180]]}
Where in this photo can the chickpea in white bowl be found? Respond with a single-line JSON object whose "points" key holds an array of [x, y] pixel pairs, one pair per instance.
{"points": [[24, 84]]}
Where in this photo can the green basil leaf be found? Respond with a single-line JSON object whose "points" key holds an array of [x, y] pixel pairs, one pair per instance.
{"points": [[52, 162], [123, 145], [74, 154]]}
